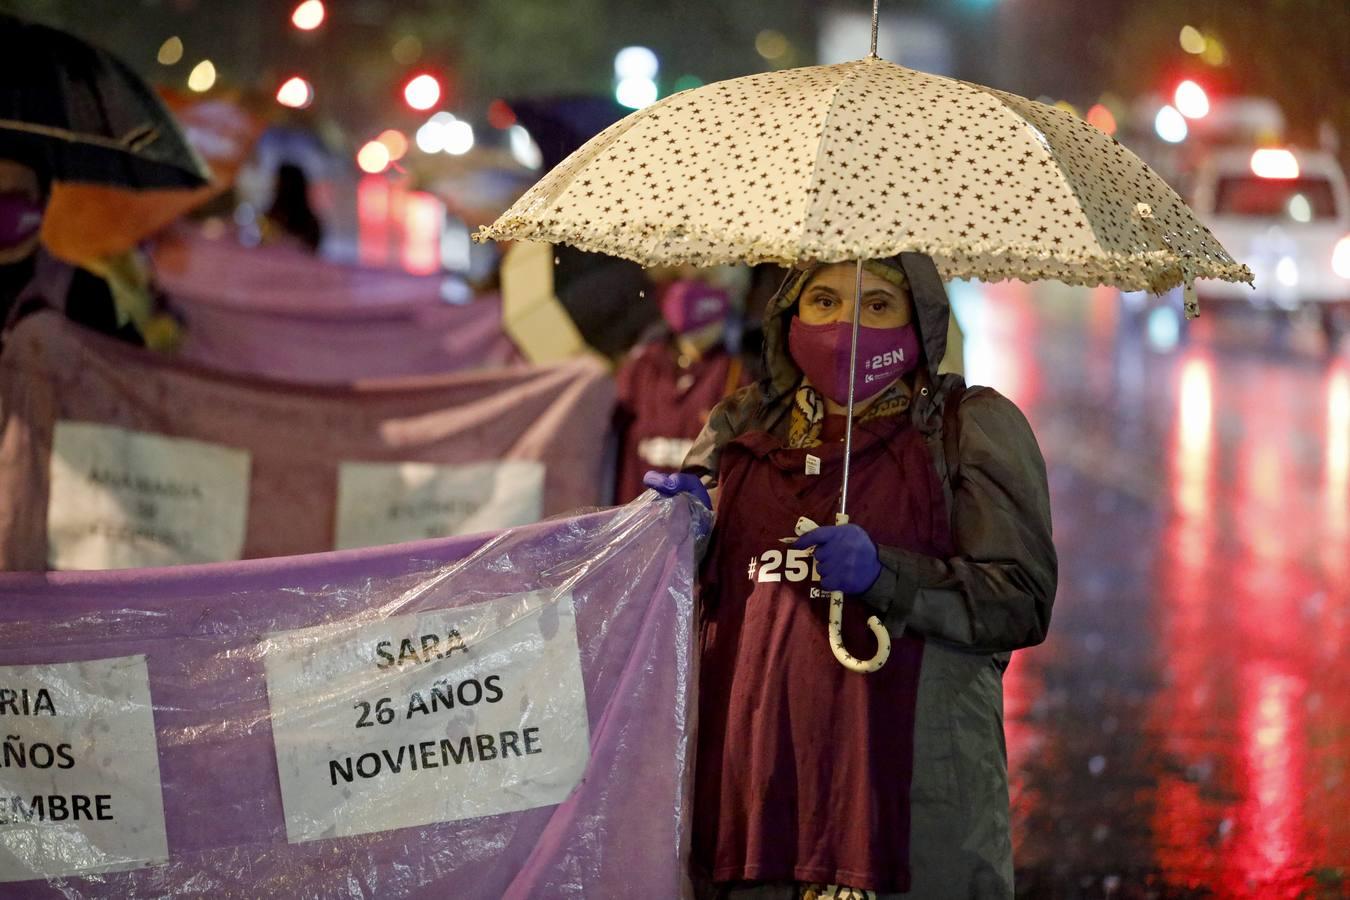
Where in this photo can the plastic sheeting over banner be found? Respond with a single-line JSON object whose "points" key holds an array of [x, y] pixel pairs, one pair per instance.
{"points": [[90, 432], [283, 314], [494, 716]]}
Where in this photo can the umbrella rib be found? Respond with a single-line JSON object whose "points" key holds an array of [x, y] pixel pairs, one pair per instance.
{"points": [[64, 134], [820, 150]]}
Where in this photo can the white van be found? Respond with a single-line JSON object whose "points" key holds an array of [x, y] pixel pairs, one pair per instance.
{"points": [[1285, 213]]}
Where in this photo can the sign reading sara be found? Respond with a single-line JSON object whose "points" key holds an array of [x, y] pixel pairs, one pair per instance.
{"points": [[79, 770], [432, 717], [125, 499], [389, 503]]}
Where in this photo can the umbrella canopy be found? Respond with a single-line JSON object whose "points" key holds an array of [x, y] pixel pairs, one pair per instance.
{"points": [[867, 160], [87, 114], [84, 222], [864, 160]]}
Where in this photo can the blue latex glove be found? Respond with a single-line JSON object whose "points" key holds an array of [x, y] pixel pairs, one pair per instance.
{"points": [[678, 483], [846, 558]]}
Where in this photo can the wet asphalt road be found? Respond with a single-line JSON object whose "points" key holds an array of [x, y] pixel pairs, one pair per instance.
{"points": [[1185, 730]]}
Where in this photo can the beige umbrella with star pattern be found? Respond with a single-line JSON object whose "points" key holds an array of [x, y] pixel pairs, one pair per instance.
{"points": [[865, 160]]}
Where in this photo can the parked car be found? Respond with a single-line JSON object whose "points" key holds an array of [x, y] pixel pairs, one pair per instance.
{"points": [[1285, 213]]}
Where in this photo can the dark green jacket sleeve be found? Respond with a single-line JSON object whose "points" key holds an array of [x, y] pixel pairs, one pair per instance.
{"points": [[725, 422], [995, 594]]}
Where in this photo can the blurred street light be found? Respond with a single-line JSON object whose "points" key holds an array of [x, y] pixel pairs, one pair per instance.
{"points": [[523, 148], [308, 15], [395, 142], [771, 44], [500, 114], [171, 51], [1170, 125], [636, 93], [434, 133], [636, 69], [296, 92], [373, 158], [1214, 52], [1192, 41], [407, 49], [636, 62], [202, 77], [1191, 100], [458, 138], [422, 92], [1100, 116]]}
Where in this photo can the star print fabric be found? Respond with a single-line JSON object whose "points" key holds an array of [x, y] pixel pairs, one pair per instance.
{"points": [[864, 160]]}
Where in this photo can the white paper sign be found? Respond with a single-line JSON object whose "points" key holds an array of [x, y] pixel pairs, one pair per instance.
{"points": [[389, 503], [79, 770], [443, 715], [124, 499]]}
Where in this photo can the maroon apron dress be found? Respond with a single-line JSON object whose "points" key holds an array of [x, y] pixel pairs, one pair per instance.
{"points": [[664, 405], [803, 767]]}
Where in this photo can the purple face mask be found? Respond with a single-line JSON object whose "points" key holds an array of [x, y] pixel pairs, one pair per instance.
{"points": [[20, 218], [690, 305], [821, 352]]}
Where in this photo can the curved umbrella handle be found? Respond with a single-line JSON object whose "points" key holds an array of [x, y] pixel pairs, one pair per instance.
{"points": [[846, 659], [836, 628]]}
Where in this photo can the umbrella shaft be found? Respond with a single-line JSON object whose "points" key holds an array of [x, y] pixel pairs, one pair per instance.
{"points": [[852, 378], [875, 14]]}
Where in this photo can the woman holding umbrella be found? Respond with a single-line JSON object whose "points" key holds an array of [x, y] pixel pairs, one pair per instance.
{"points": [[850, 776], [813, 780]]}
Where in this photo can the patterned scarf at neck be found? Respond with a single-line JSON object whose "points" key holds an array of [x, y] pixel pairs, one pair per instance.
{"points": [[808, 412]]}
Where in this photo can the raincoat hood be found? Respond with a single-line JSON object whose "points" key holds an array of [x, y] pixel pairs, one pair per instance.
{"points": [[931, 310]]}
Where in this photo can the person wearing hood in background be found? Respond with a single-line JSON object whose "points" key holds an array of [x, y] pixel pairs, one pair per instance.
{"points": [[30, 277], [291, 219], [812, 780], [669, 385]]}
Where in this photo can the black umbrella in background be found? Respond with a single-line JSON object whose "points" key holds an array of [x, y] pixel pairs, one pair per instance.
{"points": [[560, 125], [85, 115], [602, 294]]}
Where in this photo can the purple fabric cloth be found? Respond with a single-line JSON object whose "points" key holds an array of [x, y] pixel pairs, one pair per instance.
{"points": [[343, 346], [621, 833], [282, 314], [296, 435], [278, 279]]}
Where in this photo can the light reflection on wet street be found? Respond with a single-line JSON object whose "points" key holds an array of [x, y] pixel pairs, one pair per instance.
{"points": [[1185, 730]]}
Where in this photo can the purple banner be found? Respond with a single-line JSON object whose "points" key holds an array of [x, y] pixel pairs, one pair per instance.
{"points": [[219, 651], [112, 456], [344, 346], [282, 314]]}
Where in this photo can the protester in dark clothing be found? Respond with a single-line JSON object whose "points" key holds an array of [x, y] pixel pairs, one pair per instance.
{"points": [[291, 213], [668, 385]]}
